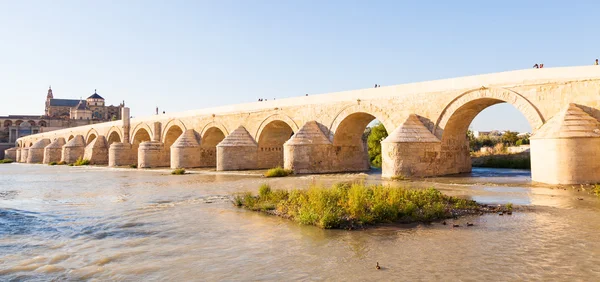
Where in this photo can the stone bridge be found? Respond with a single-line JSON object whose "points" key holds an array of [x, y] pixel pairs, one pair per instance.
{"points": [[427, 122]]}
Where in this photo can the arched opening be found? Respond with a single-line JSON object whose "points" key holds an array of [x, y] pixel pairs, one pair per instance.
{"points": [[170, 137], [7, 123], [70, 137], [18, 122], [270, 144], [208, 146], [91, 138], [30, 144], [172, 134], [31, 122], [351, 143], [42, 123], [475, 136], [113, 137], [140, 136]]}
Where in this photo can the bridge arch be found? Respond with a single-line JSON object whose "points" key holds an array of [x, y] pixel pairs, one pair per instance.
{"points": [[361, 111], [460, 112], [211, 135], [114, 134], [137, 128], [90, 136], [214, 124], [273, 132], [7, 123], [172, 126]]}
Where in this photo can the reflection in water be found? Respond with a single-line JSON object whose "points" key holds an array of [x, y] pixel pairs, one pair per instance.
{"points": [[109, 224]]}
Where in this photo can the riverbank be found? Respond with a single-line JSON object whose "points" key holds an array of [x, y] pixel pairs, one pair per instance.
{"points": [[514, 161], [356, 205]]}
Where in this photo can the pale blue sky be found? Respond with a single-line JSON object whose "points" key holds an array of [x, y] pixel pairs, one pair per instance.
{"points": [[182, 55]]}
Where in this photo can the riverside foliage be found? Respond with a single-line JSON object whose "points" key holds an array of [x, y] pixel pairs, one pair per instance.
{"points": [[6, 161], [347, 205], [278, 172]]}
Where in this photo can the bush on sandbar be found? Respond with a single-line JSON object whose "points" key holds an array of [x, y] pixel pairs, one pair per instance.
{"points": [[178, 171], [345, 204], [278, 172], [81, 161], [6, 161], [52, 163]]}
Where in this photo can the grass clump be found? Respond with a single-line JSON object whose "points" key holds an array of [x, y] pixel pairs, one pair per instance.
{"points": [[6, 161], [178, 171], [132, 166], [278, 172], [80, 162], [52, 163], [61, 163], [350, 205]]}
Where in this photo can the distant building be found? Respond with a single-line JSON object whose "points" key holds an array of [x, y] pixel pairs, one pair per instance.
{"points": [[59, 114], [478, 134], [92, 108]]}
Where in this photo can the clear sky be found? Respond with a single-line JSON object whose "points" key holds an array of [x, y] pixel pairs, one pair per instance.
{"points": [[182, 55]]}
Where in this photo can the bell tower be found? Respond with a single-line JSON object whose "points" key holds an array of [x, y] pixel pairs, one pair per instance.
{"points": [[48, 97]]}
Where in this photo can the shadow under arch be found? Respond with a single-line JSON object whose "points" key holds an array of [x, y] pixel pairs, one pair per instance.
{"points": [[114, 134], [170, 124], [137, 128], [90, 136], [272, 134]]}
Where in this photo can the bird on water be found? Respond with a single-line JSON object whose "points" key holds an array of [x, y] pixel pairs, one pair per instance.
{"points": [[377, 266]]}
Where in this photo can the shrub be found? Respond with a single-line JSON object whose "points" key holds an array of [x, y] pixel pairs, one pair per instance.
{"points": [[81, 161], [133, 166], [61, 163], [52, 163], [278, 172], [344, 204], [509, 207], [6, 161], [178, 171]]}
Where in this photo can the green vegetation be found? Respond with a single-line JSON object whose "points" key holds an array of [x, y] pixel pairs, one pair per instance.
{"points": [[52, 163], [278, 172], [509, 138], [505, 162], [375, 134], [80, 162], [348, 205], [6, 161], [61, 163], [178, 171], [596, 189], [399, 177], [133, 166]]}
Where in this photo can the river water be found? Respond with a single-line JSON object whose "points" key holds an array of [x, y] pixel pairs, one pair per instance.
{"points": [[80, 223]]}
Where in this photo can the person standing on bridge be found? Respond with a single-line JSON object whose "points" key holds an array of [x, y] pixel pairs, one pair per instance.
{"points": [[596, 63], [536, 66]]}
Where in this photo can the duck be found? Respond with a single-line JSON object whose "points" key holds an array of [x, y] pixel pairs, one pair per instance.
{"points": [[581, 199], [377, 266], [456, 225], [444, 223], [509, 213], [469, 224]]}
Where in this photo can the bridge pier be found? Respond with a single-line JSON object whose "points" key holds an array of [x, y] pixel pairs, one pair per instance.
{"points": [[121, 154], [36, 152], [73, 150], [24, 154], [186, 152], [566, 150], [97, 151], [53, 152], [238, 151], [410, 150], [11, 154], [152, 154], [308, 151], [18, 155]]}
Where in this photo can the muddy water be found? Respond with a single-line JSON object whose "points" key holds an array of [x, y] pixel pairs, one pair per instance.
{"points": [[72, 223]]}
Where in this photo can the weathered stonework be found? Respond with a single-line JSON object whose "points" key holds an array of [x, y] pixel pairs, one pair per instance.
{"points": [[73, 150], [152, 154], [238, 151], [24, 154], [97, 151], [53, 152], [308, 151], [10, 154], [410, 150], [36, 152], [185, 152], [121, 154], [444, 107], [566, 150]]}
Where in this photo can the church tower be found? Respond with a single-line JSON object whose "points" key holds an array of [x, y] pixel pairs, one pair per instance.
{"points": [[48, 97]]}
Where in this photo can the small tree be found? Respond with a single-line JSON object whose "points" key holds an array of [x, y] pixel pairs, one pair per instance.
{"points": [[377, 134], [510, 138]]}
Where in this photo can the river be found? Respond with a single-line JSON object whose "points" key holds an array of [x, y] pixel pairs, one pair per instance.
{"points": [[79, 223]]}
